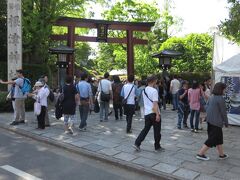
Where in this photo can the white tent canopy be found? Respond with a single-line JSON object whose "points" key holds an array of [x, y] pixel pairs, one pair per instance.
{"points": [[231, 66], [118, 72]]}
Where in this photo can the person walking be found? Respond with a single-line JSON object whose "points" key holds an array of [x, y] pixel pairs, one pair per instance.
{"points": [[152, 115], [216, 119], [84, 90], [69, 104], [142, 86], [129, 92], [105, 95], [174, 88], [183, 106], [19, 97], [194, 95], [117, 100]]}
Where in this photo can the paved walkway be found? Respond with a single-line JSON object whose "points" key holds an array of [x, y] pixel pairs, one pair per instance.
{"points": [[178, 160]]}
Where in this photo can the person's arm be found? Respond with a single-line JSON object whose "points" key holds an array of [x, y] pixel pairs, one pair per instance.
{"points": [[98, 90], [223, 111], [110, 91], [7, 82], [155, 105], [181, 96], [122, 92], [90, 95], [171, 87]]}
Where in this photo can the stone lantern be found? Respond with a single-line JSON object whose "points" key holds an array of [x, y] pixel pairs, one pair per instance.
{"points": [[62, 51]]}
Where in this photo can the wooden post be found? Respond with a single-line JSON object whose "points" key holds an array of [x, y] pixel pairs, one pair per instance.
{"points": [[130, 53], [71, 43]]}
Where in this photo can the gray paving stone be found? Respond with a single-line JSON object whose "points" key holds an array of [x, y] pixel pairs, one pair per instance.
{"points": [[207, 177], [105, 143], [79, 143], [145, 162], [171, 160], [49, 134], [109, 152], [60, 137], [203, 168], [124, 148], [236, 170], [166, 168], [186, 174], [125, 156], [93, 147]]}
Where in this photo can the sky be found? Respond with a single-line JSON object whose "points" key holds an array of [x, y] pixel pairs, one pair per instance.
{"points": [[198, 15]]}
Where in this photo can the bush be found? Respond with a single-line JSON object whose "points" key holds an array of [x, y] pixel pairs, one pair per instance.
{"points": [[6, 106]]}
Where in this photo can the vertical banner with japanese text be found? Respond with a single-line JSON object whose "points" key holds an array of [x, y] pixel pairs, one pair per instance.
{"points": [[14, 21]]}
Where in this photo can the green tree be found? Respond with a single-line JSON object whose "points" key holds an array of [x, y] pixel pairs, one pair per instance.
{"points": [[231, 26], [196, 49], [3, 30]]}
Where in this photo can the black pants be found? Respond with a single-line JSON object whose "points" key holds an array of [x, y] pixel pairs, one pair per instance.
{"points": [[41, 118], [117, 107], [129, 110], [150, 120]]}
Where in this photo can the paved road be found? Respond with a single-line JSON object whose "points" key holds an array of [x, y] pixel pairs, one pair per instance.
{"points": [[49, 163]]}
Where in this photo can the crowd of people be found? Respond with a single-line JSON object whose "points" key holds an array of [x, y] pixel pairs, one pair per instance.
{"points": [[148, 96]]}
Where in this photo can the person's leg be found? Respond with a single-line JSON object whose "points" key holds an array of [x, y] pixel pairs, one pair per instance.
{"points": [[22, 110], [191, 118], [14, 109], [142, 111], [185, 118], [173, 102], [220, 150], [203, 150], [180, 115], [130, 116], [106, 110], [81, 110], [17, 106], [144, 132], [47, 123], [66, 119], [157, 132], [164, 103], [42, 117], [115, 107], [85, 114], [101, 110], [197, 120], [121, 110]]}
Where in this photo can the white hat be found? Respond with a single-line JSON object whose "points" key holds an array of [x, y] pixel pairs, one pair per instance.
{"points": [[38, 84]]}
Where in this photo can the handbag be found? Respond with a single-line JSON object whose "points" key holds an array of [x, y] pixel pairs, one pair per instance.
{"points": [[96, 106], [37, 107], [103, 96], [124, 101]]}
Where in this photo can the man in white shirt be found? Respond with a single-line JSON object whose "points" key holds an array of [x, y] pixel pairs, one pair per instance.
{"points": [[152, 115], [174, 88], [104, 88], [129, 92]]}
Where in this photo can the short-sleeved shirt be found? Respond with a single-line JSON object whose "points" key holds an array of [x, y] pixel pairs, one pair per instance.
{"points": [[126, 90], [175, 84], [84, 89], [69, 103], [194, 98], [185, 98], [105, 86], [18, 94], [152, 94]]}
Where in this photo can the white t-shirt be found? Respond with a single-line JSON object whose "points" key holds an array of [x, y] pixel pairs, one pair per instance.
{"points": [[175, 84], [42, 95], [153, 95], [18, 92], [126, 90], [105, 86]]}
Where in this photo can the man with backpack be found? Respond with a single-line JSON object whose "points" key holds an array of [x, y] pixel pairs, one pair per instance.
{"points": [[22, 88]]}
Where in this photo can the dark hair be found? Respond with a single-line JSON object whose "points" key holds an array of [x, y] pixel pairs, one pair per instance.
{"points": [[69, 79], [142, 83], [130, 78], [195, 84], [43, 76], [184, 82], [218, 89], [84, 76], [175, 76], [151, 78], [106, 75], [20, 71], [116, 79], [206, 79], [204, 87]]}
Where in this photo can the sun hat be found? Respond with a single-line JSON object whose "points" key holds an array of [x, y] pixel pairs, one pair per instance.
{"points": [[38, 84]]}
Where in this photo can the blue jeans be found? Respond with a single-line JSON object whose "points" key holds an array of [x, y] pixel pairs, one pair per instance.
{"points": [[84, 110], [183, 112], [196, 113], [104, 107], [175, 101]]}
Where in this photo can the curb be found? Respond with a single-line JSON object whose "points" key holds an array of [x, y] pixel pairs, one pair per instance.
{"points": [[93, 155]]}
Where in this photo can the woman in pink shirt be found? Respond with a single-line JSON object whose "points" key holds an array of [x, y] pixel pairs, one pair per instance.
{"points": [[194, 95]]}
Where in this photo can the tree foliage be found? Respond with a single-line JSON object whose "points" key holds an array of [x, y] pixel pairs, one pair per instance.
{"points": [[3, 30], [134, 11], [196, 49], [231, 26]]}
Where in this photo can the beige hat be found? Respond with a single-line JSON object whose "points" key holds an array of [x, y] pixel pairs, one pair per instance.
{"points": [[38, 84]]}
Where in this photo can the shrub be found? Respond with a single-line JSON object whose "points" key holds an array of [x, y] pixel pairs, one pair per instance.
{"points": [[6, 106]]}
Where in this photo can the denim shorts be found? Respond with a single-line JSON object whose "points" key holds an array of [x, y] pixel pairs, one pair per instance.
{"points": [[69, 119]]}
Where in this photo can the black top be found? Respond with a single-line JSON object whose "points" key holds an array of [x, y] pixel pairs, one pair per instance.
{"points": [[185, 98], [69, 103]]}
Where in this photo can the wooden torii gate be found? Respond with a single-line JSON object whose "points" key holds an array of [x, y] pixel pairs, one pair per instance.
{"points": [[102, 27]]}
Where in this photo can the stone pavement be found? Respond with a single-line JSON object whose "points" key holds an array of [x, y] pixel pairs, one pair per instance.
{"points": [[110, 140]]}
